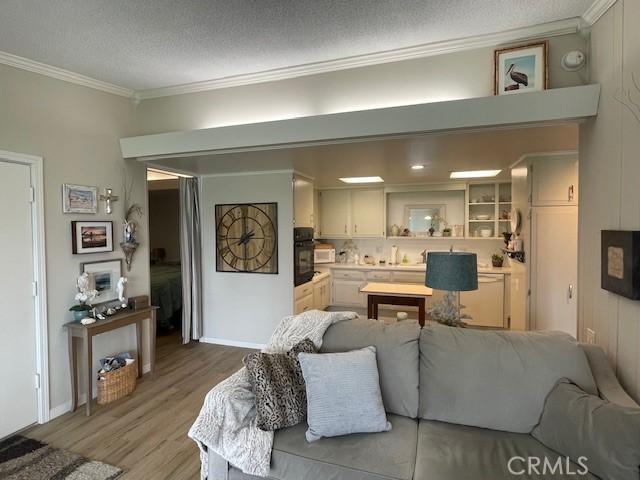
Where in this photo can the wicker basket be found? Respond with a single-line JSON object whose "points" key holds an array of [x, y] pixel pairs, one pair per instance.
{"points": [[116, 384]]}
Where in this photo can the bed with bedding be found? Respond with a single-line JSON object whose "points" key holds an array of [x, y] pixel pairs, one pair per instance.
{"points": [[166, 293]]}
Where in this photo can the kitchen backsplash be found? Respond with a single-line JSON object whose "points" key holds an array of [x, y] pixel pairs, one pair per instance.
{"points": [[380, 249]]}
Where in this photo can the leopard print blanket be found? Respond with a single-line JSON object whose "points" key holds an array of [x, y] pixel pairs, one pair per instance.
{"points": [[226, 424]]}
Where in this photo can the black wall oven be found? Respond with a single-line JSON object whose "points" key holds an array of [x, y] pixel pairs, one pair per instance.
{"points": [[302, 255]]}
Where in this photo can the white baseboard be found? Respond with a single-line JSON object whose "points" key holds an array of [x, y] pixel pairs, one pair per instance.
{"points": [[233, 343], [82, 398]]}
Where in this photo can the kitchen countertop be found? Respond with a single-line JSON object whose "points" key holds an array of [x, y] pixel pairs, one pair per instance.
{"points": [[412, 267]]}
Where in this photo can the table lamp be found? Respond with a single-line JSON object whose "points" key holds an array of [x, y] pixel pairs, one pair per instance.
{"points": [[453, 272]]}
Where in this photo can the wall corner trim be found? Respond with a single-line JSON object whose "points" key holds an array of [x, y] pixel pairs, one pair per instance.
{"points": [[596, 10], [233, 343]]}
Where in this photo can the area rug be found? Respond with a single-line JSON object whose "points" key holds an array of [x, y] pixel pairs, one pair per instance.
{"points": [[23, 458]]}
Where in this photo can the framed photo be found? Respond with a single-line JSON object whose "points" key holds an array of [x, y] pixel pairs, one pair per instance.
{"points": [[91, 237], [620, 272], [79, 199], [247, 238], [520, 69], [103, 277]]}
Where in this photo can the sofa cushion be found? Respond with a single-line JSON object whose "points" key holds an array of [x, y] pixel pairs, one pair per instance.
{"points": [[397, 355], [495, 379], [456, 452], [370, 456], [343, 393], [577, 424]]}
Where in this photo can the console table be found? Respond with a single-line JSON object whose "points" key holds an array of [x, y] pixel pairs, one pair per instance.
{"points": [[79, 334], [396, 294]]}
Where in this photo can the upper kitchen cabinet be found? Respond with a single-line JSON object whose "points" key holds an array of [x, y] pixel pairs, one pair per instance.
{"points": [[334, 210], [367, 212], [554, 180], [303, 196]]}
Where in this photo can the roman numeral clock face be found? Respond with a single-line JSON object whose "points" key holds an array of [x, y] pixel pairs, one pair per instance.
{"points": [[246, 238]]}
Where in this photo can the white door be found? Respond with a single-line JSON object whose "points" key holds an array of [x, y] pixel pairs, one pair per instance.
{"points": [[334, 213], [554, 269], [367, 213], [18, 396]]}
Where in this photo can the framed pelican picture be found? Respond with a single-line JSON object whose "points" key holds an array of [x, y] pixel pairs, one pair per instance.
{"points": [[521, 69]]}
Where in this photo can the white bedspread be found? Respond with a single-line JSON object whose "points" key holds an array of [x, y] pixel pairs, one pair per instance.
{"points": [[227, 422]]}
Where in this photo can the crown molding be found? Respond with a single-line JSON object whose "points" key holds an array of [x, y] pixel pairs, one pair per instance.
{"points": [[560, 27], [596, 10], [62, 74]]}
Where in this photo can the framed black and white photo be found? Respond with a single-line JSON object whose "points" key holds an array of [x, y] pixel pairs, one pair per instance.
{"points": [[91, 237], [79, 199], [103, 277], [520, 69], [620, 272]]}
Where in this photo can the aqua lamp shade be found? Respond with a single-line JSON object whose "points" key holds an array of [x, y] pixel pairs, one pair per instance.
{"points": [[452, 271]]}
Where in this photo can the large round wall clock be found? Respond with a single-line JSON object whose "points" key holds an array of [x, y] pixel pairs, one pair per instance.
{"points": [[247, 238]]}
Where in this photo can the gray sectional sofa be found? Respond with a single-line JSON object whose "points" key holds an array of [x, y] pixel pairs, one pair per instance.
{"points": [[418, 448]]}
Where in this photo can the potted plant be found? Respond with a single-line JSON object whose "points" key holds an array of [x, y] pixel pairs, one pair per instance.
{"points": [[446, 232], [84, 297], [497, 260]]}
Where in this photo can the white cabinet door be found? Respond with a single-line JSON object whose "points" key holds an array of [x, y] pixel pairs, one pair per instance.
{"points": [[554, 181], [367, 212], [334, 213], [321, 294], [485, 305], [554, 269], [346, 293], [304, 304], [302, 201]]}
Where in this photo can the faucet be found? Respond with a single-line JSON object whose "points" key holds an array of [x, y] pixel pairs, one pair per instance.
{"points": [[423, 254]]}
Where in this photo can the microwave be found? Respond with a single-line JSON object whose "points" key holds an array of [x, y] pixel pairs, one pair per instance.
{"points": [[324, 255]]}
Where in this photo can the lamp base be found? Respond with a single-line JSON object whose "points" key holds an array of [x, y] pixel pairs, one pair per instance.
{"points": [[447, 310]]}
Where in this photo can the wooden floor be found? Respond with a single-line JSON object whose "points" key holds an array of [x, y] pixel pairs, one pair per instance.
{"points": [[146, 434]]}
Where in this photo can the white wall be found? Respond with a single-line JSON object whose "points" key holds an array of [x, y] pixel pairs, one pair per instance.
{"points": [[445, 77], [244, 308], [76, 129], [609, 193]]}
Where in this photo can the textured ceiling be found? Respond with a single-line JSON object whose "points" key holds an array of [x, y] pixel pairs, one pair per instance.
{"points": [[143, 44]]}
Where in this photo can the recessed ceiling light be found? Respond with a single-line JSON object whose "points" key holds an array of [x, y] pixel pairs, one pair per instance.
{"points": [[361, 180], [417, 167], [475, 174]]}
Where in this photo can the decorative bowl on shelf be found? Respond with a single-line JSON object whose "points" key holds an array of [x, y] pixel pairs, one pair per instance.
{"points": [[486, 232], [483, 217]]}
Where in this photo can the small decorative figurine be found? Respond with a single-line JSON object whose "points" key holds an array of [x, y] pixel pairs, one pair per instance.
{"points": [[108, 198], [122, 281]]}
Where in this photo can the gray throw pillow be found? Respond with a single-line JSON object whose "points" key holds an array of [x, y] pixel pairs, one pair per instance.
{"points": [[606, 435], [277, 382], [343, 394], [495, 379]]}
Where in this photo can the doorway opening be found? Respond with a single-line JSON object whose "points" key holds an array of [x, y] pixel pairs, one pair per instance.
{"points": [[164, 242]]}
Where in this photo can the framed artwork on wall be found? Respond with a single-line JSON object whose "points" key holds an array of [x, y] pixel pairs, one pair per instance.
{"points": [[103, 277], [620, 272], [521, 69], [79, 199], [91, 237], [247, 238]]}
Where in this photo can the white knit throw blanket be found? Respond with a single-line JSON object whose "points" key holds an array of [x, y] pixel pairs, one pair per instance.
{"points": [[227, 421]]}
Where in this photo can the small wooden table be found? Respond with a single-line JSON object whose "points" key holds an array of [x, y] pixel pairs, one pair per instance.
{"points": [[396, 294], [78, 333]]}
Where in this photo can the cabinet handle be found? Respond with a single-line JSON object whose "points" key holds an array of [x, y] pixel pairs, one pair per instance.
{"points": [[570, 292], [570, 193]]}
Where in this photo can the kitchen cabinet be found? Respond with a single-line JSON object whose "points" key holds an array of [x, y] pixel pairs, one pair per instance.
{"points": [[303, 196], [334, 210], [322, 293], [367, 212], [554, 269], [485, 305], [303, 296], [554, 180], [346, 288]]}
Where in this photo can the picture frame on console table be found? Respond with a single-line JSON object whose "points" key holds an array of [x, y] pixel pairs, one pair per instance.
{"points": [[91, 237], [103, 277]]}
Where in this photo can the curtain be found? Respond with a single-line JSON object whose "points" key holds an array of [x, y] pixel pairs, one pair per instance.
{"points": [[191, 257]]}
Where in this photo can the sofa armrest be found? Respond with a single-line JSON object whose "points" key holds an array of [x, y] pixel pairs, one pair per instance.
{"points": [[606, 381], [218, 467]]}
